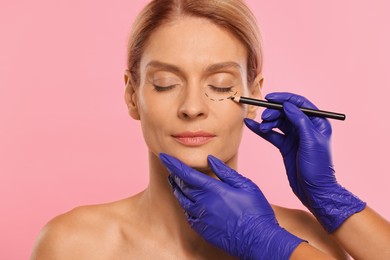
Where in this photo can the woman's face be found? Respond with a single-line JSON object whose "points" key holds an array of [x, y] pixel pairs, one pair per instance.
{"points": [[183, 62]]}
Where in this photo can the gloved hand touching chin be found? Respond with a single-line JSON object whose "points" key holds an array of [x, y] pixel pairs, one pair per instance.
{"points": [[231, 213], [305, 147]]}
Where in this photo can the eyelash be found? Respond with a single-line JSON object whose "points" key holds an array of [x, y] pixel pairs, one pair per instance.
{"points": [[162, 89], [218, 89], [213, 88]]}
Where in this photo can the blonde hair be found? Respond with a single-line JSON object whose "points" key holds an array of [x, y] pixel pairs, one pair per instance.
{"points": [[233, 15]]}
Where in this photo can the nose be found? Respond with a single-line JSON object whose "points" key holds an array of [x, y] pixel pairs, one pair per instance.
{"points": [[193, 104]]}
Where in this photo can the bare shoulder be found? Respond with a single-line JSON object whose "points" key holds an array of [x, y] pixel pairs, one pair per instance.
{"points": [[84, 232], [304, 225]]}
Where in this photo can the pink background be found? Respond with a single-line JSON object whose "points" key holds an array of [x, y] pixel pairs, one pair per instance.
{"points": [[66, 139]]}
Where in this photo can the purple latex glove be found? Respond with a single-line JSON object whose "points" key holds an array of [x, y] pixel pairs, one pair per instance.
{"points": [[305, 147], [232, 214]]}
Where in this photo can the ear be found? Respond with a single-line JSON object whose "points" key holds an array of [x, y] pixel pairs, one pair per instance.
{"points": [[131, 96], [255, 92]]}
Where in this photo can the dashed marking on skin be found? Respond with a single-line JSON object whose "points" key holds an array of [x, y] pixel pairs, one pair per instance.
{"points": [[221, 99]]}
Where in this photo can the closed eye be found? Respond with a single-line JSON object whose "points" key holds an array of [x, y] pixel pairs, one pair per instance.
{"points": [[163, 88], [221, 89]]}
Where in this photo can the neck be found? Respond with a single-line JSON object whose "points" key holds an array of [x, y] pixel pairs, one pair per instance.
{"points": [[164, 213]]}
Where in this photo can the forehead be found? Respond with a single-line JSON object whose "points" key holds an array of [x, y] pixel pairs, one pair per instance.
{"points": [[193, 43]]}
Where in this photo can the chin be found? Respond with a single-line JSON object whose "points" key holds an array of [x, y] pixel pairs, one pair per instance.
{"points": [[194, 160], [198, 160]]}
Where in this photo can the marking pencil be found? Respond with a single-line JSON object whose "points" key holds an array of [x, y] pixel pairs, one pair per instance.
{"points": [[278, 106]]}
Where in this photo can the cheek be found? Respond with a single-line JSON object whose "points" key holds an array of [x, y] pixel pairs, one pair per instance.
{"points": [[151, 106], [229, 111], [230, 128], [229, 120], [152, 116], [236, 119]]}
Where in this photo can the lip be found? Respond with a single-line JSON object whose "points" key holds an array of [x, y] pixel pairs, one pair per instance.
{"points": [[193, 138]]}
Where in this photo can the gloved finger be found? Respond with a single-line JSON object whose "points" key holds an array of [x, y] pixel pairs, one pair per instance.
{"points": [[298, 119], [185, 203], [193, 209], [286, 127], [187, 174], [273, 137], [228, 175], [177, 190], [197, 224], [266, 126], [172, 182], [196, 193], [281, 97], [282, 124], [271, 114], [322, 124], [252, 125]]}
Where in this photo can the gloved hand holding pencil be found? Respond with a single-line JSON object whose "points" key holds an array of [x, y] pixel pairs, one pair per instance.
{"points": [[305, 147]]}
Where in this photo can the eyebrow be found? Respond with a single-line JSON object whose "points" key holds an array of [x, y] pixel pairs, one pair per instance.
{"points": [[209, 69], [223, 66], [163, 65]]}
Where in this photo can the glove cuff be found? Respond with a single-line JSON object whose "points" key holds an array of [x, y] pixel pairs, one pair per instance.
{"points": [[333, 208]]}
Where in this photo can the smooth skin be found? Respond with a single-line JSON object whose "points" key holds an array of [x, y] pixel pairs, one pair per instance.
{"points": [[151, 224]]}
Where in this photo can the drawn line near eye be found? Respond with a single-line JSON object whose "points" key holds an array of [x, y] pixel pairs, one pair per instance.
{"points": [[221, 99], [232, 96], [212, 99]]}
